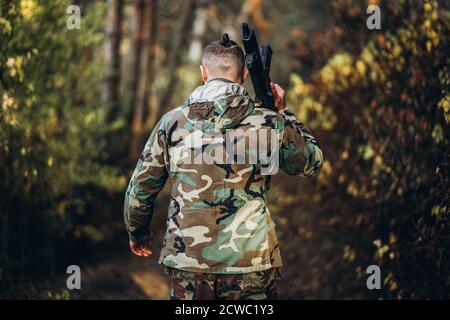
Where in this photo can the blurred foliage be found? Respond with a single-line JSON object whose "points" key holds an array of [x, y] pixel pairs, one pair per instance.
{"points": [[52, 136], [380, 106], [377, 100]]}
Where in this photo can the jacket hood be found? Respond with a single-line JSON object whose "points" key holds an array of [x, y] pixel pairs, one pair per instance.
{"points": [[218, 105]]}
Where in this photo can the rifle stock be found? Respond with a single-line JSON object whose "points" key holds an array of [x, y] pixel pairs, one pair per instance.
{"points": [[258, 65]]}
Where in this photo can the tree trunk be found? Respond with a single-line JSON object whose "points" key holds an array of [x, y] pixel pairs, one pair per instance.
{"points": [[152, 108], [198, 31], [180, 42], [138, 32], [112, 56], [145, 76]]}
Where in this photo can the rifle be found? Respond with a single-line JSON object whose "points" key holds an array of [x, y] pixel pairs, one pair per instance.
{"points": [[258, 64]]}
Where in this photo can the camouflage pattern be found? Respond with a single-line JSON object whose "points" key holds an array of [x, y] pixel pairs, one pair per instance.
{"points": [[259, 285], [218, 220]]}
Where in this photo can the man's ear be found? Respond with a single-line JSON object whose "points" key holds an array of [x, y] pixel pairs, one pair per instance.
{"points": [[245, 74], [204, 74]]}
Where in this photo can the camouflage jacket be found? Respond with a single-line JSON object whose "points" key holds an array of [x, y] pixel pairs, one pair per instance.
{"points": [[218, 220]]}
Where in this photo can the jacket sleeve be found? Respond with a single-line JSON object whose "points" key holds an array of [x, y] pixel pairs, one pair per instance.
{"points": [[300, 153], [147, 180]]}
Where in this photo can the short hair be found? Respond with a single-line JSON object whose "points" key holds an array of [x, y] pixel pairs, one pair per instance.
{"points": [[224, 56]]}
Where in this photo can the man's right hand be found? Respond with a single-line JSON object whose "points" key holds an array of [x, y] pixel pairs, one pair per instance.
{"points": [[279, 96], [142, 249]]}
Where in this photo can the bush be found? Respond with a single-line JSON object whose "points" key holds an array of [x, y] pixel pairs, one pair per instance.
{"points": [[52, 138], [380, 106]]}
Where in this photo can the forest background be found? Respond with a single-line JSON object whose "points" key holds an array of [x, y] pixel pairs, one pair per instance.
{"points": [[78, 105]]}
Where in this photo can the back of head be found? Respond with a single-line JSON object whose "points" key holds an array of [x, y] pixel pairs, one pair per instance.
{"points": [[224, 58]]}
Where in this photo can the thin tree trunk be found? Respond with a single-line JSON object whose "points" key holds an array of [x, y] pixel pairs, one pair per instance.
{"points": [[138, 32], [145, 78], [181, 40], [112, 56], [152, 108], [198, 31]]}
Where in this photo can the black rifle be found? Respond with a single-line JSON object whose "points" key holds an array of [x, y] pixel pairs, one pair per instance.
{"points": [[258, 64]]}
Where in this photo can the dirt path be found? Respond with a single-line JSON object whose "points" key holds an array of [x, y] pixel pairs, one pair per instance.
{"points": [[126, 278], [137, 278], [129, 277]]}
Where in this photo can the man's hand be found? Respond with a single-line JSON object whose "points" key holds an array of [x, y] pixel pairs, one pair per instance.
{"points": [[142, 249], [279, 96]]}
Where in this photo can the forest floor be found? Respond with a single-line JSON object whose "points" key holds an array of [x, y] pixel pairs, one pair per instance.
{"points": [[121, 275], [128, 277], [124, 278]]}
